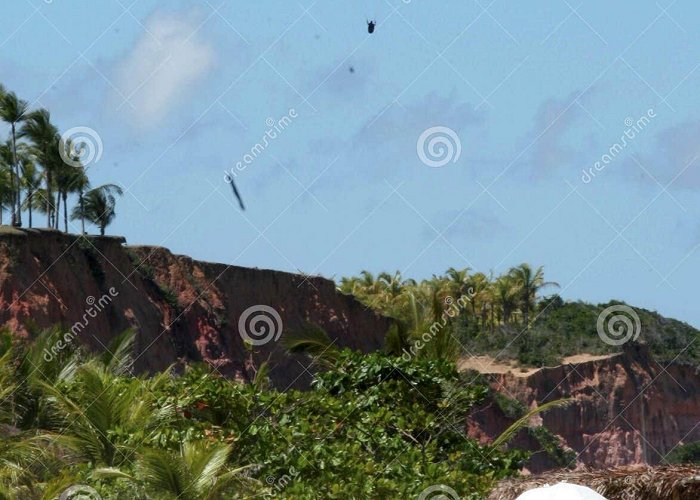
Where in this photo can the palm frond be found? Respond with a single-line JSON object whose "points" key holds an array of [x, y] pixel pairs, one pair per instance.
{"points": [[311, 339], [508, 434], [118, 357]]}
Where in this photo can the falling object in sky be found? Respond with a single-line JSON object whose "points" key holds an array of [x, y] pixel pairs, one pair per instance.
{"points": [[236, 194], [370, 26], [352, 69]]}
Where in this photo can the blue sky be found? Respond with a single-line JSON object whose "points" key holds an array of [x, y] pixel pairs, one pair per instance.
{"points": [[180, 91]]}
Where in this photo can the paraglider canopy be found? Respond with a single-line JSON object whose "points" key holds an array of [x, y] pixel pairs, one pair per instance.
{"points": [[370, 26]]}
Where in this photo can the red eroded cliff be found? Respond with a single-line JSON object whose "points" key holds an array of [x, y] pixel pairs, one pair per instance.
{"points": [[626, 409], [181, 308]]}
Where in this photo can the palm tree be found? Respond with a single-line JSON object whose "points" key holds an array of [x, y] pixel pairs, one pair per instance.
{"points": [[73, 179], [38, 127], [70, 179], [13, 111], [31, 181], [97, 206], [106, 404], [505, 292], [198, 472], [6, 181], [37, 201], [530, 282], [458, 281]]}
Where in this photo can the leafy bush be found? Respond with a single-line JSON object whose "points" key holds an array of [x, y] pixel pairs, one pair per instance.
{"points": [[372, 426], [169, 296], [511, 408], [551, 445], [685, 454]]}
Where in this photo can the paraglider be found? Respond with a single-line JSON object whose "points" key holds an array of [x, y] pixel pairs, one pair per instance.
{"points": [[236, 193], [370, 26]]}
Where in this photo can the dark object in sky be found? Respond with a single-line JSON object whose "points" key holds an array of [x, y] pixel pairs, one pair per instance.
{"points": [[370, 26], [236, 194], [352, 69]]}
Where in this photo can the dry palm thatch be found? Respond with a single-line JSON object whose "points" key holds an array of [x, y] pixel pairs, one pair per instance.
{"points": [[677, 482]]}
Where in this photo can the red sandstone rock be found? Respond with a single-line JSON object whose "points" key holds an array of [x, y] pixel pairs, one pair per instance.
{"points": [[46, 277], [627, 409]]}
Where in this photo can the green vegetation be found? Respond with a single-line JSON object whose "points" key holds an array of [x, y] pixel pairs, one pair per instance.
{"points": [[550, 444], [37, 170], [169, 296], [504, 317], [372, 426], [685, 454]]}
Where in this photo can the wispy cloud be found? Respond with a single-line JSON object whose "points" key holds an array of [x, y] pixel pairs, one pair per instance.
{"points": [[163, 64], [554, 119], [677, 156]]}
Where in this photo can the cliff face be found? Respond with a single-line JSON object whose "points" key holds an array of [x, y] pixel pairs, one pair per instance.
{"points": [[182, 309], [627, 408]]}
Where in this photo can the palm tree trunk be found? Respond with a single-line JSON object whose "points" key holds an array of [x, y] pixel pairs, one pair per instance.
{"points": [[48, 194], [526, 309], [82, 213], [30, 195], [65, 211], [13, 215], [57, 209], [18, 198]]}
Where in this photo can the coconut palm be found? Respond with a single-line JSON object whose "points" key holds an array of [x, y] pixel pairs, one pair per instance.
{"points": [[197, 472], [505, 294], [458, 281], [69, 179], [37, 201], [106, 404], [13, 111], [39, 129], [31, 182], [530, 281], [97, 206], [6, 179]]}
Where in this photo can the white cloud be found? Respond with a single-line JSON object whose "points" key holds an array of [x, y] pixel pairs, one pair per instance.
{"points": [[165, 61]]}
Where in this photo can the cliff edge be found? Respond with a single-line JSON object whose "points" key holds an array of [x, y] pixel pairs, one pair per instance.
{"points": [[181, 309], [626, 408]]}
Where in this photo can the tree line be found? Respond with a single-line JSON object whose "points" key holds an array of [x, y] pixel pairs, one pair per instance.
{"points": [[488, 302], [35, 177]]}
